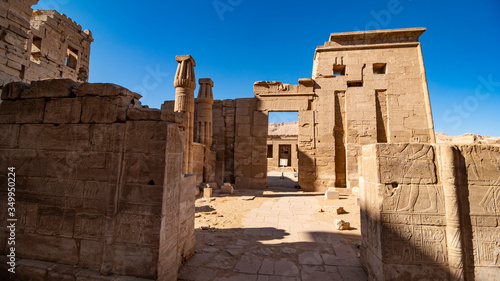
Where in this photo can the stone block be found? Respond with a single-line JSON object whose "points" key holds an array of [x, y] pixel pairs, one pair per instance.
{"points": [[50, 88], [355, 191], [144, 114], [332, 194], [47, 248], [104, 90], [62, 272], [134, 260], [155, 132], [207, 192], [64, 137], [61, 111], [226, 189], [32, 269], [22, 111], [341, 225], [12, 91], [9, 135], [97, 109], [175, 117], [340, 210], [144, 169]]}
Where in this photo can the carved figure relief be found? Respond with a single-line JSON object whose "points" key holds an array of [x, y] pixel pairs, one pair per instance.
{"points": [[416, 173]]}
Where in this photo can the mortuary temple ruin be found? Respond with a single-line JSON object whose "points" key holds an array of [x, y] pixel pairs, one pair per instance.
{"points": [[106, 187]]}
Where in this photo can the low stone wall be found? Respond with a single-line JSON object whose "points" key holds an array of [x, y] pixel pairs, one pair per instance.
{"points": [[99, 181], [430, 211]]}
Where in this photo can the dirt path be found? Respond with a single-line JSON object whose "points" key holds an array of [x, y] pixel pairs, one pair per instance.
{"points": [[279, 235]]}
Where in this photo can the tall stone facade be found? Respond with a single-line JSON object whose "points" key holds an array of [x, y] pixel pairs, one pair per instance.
{"points": [[430, 210], [99, 183], [367, 87], [41, 44]]}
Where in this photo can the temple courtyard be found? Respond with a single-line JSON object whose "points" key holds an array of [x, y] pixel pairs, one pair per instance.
{"points": [[276, 234]]}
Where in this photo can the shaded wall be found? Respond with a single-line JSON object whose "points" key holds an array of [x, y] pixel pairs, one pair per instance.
{"points": [[430, 210], [99, 183]]}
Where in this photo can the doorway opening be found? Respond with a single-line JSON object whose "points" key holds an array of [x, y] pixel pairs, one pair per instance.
{"points": [[282, 150]]}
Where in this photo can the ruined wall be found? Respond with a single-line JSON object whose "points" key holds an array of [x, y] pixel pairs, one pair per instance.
{"points": [[239, 140], [59, 48], [41, 44], [15, 33], [430, 210], [98, 182]]}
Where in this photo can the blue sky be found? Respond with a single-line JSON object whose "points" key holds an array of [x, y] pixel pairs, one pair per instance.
{"points": [[238, 42]]}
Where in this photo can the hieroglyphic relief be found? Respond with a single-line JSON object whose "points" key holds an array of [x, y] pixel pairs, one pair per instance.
{"points": [[409, 175], [483, 170], [486, 249], [414, 244]]}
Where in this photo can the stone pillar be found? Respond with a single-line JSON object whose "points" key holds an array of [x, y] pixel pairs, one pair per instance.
{"points": [[185, 84], [204, 103], [454, 235]]}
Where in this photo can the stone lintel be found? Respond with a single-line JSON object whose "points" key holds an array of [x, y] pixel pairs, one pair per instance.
{"points": [[304, 87], [403, 35]]}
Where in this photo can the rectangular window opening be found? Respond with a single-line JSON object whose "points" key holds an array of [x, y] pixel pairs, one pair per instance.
{"points": [[71, 57], [338, 70], [36, 48], [379, 68], [269, 151], [355, 84]]}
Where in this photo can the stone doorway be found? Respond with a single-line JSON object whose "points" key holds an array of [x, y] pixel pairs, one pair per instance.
{"points": [[282, 150]]}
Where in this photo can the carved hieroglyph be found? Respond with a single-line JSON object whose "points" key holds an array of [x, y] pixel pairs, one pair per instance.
{"points": [[431, 210]]}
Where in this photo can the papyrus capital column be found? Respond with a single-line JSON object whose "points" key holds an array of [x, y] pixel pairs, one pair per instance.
{"points": [[204, 102], [185, 84]]}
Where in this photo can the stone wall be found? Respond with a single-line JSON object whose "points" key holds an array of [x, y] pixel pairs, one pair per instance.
{"points": [[54, 55], [41, 44], [430, 210], [15, 33], [99, 183]]}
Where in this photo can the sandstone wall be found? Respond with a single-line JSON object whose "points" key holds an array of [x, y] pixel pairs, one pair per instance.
{"points": [[15, 28], [54, 55], [430, 211], [98, 182], [41, 44]]}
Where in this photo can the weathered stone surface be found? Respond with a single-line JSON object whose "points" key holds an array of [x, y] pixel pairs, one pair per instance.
{"points": [[332, 194], [226, 189], [70, 175], [103, 90], [50, 88], [207, 192], [12, 91], [66, 110], [104, 109], [144, 114], [413, 221], [22, 111], [342, 225]]}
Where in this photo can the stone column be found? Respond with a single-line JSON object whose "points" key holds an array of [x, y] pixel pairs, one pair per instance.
{"points": [[185, 84], [454, 235], [204, 104]]}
